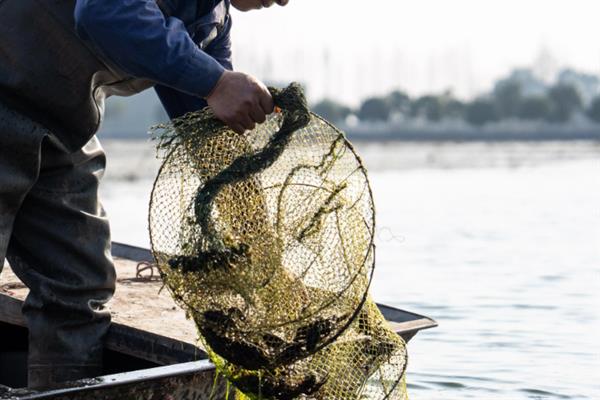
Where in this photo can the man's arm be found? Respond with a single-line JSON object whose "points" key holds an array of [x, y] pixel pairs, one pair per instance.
{"points": [[137, 36], [177, 103]]}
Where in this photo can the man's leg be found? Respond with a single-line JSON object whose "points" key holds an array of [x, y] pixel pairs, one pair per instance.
{"points": [[60, 248], [20, 143]]}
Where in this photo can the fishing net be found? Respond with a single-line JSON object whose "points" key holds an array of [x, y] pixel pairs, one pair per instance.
{"points": [[367, 362], [266, 239]]}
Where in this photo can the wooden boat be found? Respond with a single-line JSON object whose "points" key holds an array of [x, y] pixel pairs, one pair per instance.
{"points": [[150, 350]]}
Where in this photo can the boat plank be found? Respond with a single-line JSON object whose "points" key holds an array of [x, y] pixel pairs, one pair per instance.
{"points": [[138, 303]]}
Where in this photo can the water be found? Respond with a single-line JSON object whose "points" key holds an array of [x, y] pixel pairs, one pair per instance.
{"points": [[500, 243]]}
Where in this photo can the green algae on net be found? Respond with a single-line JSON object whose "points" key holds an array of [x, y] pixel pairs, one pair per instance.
{"points": [[266, 239]]}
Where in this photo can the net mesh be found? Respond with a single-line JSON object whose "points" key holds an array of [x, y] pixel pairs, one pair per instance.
{"points": [[367, 362], [266, 239]]}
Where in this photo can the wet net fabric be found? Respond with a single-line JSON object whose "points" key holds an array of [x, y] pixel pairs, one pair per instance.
{"points": [[266, 240], [367, 361]]}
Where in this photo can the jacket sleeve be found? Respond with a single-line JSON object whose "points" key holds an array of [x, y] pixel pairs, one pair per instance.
{"points": [[137, 37], [177, 103]]}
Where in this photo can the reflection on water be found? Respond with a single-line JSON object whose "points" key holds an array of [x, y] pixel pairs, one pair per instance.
{"points": [[499, 243]]}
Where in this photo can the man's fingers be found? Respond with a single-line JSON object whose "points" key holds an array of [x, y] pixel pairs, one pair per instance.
{"points": [[237, 128], [246, 122], [266, 102], [240, 101], [257, 114]]}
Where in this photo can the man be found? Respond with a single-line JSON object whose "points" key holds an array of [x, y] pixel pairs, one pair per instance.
{"points": [[59, 60]]}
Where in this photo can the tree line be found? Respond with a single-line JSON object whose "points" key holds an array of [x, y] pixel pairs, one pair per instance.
{"points": [[511, 99]]}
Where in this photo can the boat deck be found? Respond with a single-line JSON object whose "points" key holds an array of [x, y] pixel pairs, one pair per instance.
{"points": [[138, 302]]}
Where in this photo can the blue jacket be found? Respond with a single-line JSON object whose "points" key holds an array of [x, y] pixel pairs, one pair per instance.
{"points": [[185, 53]]}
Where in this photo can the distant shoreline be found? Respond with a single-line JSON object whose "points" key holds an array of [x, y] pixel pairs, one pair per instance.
{"points": [[417, 135], [470, 136]]}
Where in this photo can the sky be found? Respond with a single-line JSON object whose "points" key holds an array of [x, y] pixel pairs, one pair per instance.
{"points": [[352, 49]]}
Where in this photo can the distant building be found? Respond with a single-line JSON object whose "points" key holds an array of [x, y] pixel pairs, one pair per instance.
{"points": [[530, 84], [587, 85]]}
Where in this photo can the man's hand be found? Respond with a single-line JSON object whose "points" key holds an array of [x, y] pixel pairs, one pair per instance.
{"points": [[240, 101]]}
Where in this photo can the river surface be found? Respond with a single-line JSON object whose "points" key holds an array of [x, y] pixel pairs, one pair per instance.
{"points": [[500, 243]]}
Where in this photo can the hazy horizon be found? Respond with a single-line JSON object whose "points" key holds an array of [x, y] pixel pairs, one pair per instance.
{"points": [[420, 47]]}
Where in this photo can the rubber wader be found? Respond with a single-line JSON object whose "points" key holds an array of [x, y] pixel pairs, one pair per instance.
{"points": [[56, 238]]}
